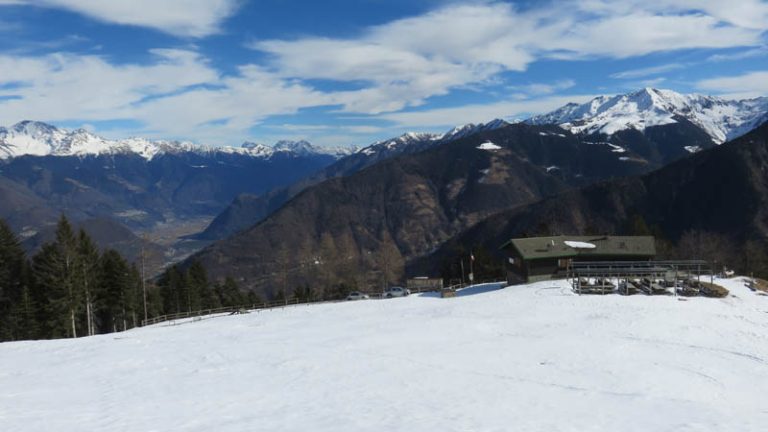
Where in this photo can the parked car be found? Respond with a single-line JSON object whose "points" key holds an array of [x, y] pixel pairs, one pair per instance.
{"points": [[396, 292], [357, 295]]}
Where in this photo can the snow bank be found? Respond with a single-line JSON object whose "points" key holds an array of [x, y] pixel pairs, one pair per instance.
{"points": [[534, 357]]}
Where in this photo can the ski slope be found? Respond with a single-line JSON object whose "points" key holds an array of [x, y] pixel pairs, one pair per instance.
{"points": [[523, 358]]}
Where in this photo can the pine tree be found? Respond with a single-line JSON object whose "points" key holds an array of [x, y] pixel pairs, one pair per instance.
{"points": [[115, 292], [201, 294], [55, 272], [12, 284], [253, 299], [172, 290], [303, 293], [88, 266], [229, 293], [27, 310]]}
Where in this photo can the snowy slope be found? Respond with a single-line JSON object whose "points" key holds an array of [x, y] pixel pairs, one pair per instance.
{"points": [[721, 119], [524, 358], [41, 139]]}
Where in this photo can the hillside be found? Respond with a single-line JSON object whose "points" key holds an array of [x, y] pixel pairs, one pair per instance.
{"points": [[723, 190], [533, 357], [106, 233], [248, 209]]}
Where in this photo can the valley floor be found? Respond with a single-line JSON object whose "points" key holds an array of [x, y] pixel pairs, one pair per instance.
{"points": [[534, 357]]}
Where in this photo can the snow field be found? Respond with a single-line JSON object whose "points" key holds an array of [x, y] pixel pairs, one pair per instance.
{"points": [[533, 357]]}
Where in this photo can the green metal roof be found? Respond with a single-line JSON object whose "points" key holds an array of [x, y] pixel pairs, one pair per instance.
{"points": [[556, 247]]}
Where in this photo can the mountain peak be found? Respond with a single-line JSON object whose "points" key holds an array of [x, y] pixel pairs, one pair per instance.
{"points": [[721, 119], [34, 129], [290, 145]]}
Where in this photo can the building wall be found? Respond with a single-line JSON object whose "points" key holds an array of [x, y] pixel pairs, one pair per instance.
{"points": [[544, 269], [516, 272]]}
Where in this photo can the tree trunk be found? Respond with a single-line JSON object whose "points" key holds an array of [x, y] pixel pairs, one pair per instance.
{"points": [[72, 316]]}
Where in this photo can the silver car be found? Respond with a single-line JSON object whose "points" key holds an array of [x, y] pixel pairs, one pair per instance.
{"points": [[396, 292], [357, 295]]}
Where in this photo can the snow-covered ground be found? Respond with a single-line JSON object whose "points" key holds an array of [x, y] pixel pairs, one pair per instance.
{"points": [[533, 357]]}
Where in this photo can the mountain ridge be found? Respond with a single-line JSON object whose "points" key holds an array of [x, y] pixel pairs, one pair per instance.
{"points": [[720, 192], [34, 138], [722, 119], [248, 209]]}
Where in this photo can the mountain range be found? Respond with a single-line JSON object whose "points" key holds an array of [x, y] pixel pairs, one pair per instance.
{"points": [[167, 189], [294, 205], [410, 206], [648, 126], [721, 119], [32, 138]]}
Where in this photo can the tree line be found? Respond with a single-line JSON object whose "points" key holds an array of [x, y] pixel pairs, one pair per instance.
{"points": [[189, 290], [70, 289]]}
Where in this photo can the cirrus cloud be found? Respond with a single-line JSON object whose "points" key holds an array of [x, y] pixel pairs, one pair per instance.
{"points": [[406, 61], [187, 18]]}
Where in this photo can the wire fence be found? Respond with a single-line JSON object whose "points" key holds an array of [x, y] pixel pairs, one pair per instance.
{"points": [[278, 304]]}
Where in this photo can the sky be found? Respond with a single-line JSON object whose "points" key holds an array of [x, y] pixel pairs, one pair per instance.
{"points": [[351, 72]]}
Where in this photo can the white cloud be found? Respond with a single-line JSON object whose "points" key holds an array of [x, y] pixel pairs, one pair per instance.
{"points": [[177, 95], [538, 89], [479, 113], [643, 33], [643, 72], [189, 18], [749, 85], [741, 55], [404, 62], [749, 14]]}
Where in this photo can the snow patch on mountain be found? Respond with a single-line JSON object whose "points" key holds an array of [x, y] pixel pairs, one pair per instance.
{"points": [[722, 119], [427, 140], [40, 139], [488, 146]]}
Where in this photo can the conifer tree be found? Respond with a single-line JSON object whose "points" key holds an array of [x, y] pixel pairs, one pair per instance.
{"points": [[172, 290], [12, 286], [115, 292], [55, 272], [199, 290], [27, 309], [88, 266], [229, 293]]}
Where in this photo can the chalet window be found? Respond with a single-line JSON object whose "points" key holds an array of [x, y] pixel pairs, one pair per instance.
{"points": [[563, 262]]}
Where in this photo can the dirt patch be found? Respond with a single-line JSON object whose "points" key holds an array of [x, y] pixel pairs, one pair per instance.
{"points": [[760, 285], [712, 290]]}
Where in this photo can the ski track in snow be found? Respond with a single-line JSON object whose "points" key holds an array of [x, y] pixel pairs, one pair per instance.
{"points": [[523, 358]]}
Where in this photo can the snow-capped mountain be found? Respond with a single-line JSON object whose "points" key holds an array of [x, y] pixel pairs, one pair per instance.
{"points": [[410, 141], [721, 119], [40, 139]]}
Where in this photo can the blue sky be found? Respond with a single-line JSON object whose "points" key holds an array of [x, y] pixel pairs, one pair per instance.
{"points": [[351, 72]]}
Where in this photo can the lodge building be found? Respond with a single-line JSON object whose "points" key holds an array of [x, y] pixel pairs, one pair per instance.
{"points": [[536, 259]]}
